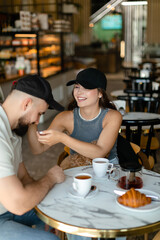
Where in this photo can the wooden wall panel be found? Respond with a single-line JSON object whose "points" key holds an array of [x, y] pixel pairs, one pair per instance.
{"points": [[81, 22], [153, 22]]}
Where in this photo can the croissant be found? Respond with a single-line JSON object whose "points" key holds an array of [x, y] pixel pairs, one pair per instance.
{"points": [[134, 199]]}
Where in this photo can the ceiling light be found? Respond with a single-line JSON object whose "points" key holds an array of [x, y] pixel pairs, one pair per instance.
{"points": [[109, 5], [91, 25], [134, 3]]}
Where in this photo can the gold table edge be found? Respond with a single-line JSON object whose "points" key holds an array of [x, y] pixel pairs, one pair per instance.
{"points": [[89, 232]]}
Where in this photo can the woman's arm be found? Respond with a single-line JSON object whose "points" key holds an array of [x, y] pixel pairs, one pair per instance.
{"points": [[63, 121], [107, 138]]}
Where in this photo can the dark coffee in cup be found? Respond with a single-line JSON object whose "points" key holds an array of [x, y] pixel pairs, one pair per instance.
{"points": [[100, 162], [82, 183], [83, 177]]}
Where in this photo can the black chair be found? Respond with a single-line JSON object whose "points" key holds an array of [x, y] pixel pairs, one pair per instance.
{"points": [[148, 65], [144, 104], [141, 104], [141, 93], [146, 70], [140, 85], [133, 71], [134, 133]]}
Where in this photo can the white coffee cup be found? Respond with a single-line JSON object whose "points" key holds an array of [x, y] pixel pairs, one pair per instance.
{"points": [[82, 183], [101, 166]]}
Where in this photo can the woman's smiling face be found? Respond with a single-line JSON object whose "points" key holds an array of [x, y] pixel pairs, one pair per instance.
{"points": [[86, 97]]}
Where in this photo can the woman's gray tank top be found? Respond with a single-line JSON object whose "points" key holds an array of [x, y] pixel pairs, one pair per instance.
{"points": [[89, 131]]}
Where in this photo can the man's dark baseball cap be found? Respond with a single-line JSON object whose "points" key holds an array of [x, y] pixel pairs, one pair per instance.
{"points": [[90, 78], [38, 87]]}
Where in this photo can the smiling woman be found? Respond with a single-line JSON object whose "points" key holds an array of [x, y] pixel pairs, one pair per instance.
{"points": [[91, 122]]}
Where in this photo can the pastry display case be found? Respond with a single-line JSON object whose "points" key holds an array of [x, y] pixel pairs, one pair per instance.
{"points": [[40, 52]]}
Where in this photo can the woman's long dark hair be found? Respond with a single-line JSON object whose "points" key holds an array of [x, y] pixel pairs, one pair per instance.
{"points": [[104, 101]]}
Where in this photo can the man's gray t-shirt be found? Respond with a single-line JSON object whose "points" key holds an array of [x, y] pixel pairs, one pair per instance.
{"points": [[10, 150]]}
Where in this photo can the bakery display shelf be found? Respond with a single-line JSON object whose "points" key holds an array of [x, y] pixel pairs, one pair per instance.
{"points": [[53, 65], [16, 46], [56, 61], [46, 72], [8, 59], [44, 50], [50, 56], [50, 65], [46, 44], [12, 33]]}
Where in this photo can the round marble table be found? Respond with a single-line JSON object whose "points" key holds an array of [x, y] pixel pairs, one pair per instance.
{"points": [[142, 116], [121, 92], [99, 215]]}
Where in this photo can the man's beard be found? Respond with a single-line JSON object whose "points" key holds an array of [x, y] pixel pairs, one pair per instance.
{"points": [[21, 128]]}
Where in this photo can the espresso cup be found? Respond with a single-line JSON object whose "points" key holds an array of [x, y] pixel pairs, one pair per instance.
{"points": [[101, 166], [82, 183]]}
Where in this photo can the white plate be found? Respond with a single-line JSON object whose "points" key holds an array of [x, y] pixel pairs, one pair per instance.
{"points": [[73, 193], [147, 208]]}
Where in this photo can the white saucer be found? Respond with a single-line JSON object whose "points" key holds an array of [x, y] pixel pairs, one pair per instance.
{"points": [[73, 193], [113, 176], [100, 178]]}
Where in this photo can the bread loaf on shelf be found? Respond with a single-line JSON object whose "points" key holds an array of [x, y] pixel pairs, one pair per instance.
{"points": [[133, 198]]}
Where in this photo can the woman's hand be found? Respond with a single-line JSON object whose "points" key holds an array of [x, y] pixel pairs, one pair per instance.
{"points": [[49, 137]]}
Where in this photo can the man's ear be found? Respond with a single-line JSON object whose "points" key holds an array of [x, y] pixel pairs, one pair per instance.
{"points": [[27, 103]]}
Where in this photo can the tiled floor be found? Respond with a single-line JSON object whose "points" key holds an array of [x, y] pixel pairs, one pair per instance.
{"points": [[38, 165]]}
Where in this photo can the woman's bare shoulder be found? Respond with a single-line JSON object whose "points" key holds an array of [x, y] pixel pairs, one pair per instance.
{"points": [[113, 115], [114, 112], [62, 120], [64, 115]]}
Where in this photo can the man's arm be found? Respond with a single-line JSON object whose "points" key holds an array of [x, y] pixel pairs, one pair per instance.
{"points": [[18, 197], [62, 122], [35, 145], [23, 175]]}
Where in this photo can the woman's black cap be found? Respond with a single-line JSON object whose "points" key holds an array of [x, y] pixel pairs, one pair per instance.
{"points": [[90, 78]]}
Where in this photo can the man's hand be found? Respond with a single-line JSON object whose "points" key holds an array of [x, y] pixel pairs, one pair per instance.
{"points": [[56, 175]]}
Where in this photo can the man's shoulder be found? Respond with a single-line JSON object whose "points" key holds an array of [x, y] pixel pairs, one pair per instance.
{"points": [[2, 124], [3, 118], [5, 130]]}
